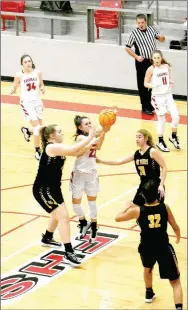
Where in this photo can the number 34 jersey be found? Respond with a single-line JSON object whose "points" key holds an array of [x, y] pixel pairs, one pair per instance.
{"points": [[30, 86], [147, 168]]}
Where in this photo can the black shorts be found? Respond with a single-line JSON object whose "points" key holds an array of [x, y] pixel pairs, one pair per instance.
{"points": [[48, 197], [139, 199], [165, 257]]}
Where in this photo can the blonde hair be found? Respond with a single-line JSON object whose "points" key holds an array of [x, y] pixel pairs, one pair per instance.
{"points": [[163, 60], [147, 135], [45, 133]]}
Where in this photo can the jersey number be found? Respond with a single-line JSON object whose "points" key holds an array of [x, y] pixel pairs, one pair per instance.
{"points": [[164, 80], [142, 170], [30, 86], [154, 220], [92, 153]]}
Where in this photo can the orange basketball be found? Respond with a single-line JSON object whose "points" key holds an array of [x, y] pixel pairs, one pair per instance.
{"points": [[107, 118]]}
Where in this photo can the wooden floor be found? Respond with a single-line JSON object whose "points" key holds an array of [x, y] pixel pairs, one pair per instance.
{"points": [[111, 276]]}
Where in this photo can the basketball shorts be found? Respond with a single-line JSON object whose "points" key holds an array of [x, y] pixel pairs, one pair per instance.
{"points": [[84, 182], [48, 197], [139, 199], [32, 110], [166, 259], [164, 104]]}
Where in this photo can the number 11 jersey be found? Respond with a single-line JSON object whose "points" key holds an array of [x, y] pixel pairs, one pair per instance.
{"points": [[161, 79], [147, 168]]}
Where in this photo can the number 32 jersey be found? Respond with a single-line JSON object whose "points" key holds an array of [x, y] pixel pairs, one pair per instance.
{"points": [[30, 86], [147, 168]]}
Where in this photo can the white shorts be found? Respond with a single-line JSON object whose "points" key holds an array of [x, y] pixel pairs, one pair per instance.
{"points": [[32, 110], [163, 104], [84, 182]]}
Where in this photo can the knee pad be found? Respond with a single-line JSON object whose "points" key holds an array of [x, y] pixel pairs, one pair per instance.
{"points": [[160, 124], [36, 130], [175, 121], [78, 210], [92, 209]]}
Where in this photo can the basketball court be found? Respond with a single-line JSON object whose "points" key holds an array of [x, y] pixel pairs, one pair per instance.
{"points": [[111, 276]]}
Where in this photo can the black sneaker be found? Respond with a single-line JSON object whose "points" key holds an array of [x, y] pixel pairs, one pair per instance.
{"points": [[50, 242], [27, 134], [175, 142], [162, 146], [150, 296], [72, 259], [83, 230]]}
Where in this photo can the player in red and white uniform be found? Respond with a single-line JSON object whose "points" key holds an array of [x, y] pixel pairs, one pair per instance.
{"points": [[84, 177], [158, 78], [31, 85]]}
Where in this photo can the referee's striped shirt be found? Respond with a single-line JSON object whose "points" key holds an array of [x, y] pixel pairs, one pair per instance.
{"points": [[144, 41]]}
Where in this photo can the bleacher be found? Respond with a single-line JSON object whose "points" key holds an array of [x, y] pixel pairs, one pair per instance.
{"points": [[171, 19]]}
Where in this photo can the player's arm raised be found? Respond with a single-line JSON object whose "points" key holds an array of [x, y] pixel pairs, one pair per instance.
{"points": [[156, 155], [16, 84], [147, 79], [173, 223], [58, 149], [117, 162], [91, 144]]}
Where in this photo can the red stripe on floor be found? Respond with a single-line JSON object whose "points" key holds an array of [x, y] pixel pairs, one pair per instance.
{"points": [[88, 108]]}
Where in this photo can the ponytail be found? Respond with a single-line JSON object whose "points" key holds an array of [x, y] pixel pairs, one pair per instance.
{"points": [[24, 56], [45, 133], [78, 121]]}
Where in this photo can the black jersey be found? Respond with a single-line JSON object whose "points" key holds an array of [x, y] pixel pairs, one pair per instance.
{"points": [[50, 170], [147, 167], [153, 223]]}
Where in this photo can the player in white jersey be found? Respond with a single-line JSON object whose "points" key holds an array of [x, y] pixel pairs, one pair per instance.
{"points": [[31, 84], [158, 78], [84, 177]]}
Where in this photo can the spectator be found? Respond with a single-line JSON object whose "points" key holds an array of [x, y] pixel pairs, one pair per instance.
{"points": [[143, 38]]}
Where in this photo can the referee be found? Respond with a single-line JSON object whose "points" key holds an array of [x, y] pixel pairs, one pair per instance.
{"points": [[143, 38]]}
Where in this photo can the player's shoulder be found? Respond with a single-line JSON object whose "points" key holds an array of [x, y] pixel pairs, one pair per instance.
{"points": [[166, 65], [150, 69], [18, 74], [80, 138]]}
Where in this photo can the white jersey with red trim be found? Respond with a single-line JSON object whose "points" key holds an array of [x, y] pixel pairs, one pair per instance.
{"points": [[161, 79], [87, 162], [30, 86]]}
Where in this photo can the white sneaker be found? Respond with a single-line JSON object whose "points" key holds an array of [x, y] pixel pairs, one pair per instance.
{"points": [[37, 155], [162, 146], [83, 230], [175, 142]]}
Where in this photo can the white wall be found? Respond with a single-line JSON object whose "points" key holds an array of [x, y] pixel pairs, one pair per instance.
{"points": [[83, 63]]}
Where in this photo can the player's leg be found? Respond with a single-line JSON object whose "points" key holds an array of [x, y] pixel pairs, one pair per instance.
{"points": [[148, 262], [160, 110], [91, 190], [173, 111], [77, 188], [177, 293], [36, 137]]}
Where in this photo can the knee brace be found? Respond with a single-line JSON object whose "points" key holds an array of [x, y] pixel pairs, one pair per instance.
{"points": [[36, 130], [175, 121], [92, 209], [78, 210], [160, 124]]}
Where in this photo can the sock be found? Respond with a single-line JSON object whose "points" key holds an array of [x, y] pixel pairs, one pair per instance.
{"points": [[48, 234], [161, 139], [68, 247], [149, 289], [174, 135], [93, 227], [37, 149], [179, 306], [83, 222]]}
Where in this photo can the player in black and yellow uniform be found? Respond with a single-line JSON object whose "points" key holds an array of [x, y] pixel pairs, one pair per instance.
{"points": [[154, 246], [47, 185], [148, 162]]}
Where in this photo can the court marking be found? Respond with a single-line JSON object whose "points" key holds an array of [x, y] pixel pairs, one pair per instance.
{"points": [[88, 108], [100, 176], [76, 221]]}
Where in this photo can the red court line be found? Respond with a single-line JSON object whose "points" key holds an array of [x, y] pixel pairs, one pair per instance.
{"points": [[19, 226], [74, 221], [100, 176], [88, 108]]}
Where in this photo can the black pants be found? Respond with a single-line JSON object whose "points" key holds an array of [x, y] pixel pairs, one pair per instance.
{"points": [[144, 93]]}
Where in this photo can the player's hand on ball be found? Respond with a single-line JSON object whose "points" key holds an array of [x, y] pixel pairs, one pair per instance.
{"points": [[106, 129]]}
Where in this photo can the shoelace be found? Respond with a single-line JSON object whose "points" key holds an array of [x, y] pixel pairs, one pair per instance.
{"points": [[163, 143]]}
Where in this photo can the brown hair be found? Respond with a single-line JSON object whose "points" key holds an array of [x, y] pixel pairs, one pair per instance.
{"points": [[24, 56], [141, 16], [45, 133], [147, 135], [78, 121], [163, 60]]}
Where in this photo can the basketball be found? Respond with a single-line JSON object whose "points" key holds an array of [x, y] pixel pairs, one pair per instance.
{"points": [[107, 118]]}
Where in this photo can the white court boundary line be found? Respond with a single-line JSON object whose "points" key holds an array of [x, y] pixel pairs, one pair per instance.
{"points": [[3, 260]]}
